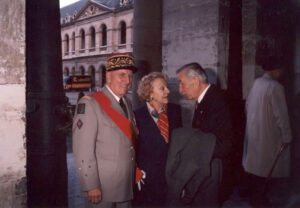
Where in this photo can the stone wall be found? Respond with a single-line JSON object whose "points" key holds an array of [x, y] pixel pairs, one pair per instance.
{"points": [[12, 104], [196, 31]]}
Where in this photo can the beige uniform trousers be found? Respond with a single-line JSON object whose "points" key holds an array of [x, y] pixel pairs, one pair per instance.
{"points": [[104, 204]]}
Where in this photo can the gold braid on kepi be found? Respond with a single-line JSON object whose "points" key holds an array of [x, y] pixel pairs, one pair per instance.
{"points": [[120, 61]]}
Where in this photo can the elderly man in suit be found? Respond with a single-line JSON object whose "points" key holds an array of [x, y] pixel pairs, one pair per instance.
{"points": [[211, 116], [103, 131]]}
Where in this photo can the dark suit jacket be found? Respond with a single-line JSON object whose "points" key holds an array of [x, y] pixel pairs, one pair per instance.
{"points": [[212, 116], [188, 161], [152, 150]]}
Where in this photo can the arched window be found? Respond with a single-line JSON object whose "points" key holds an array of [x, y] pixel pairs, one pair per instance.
{"points": [[66, 71], [82, 70], [122, 32], [73, 71], [103, 35], [82, 38], [66, 44], [93, 38], [73, 42]]}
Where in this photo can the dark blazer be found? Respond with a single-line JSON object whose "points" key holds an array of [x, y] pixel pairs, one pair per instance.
{"points": [[188, 162], [152, 150], [213, 116]]}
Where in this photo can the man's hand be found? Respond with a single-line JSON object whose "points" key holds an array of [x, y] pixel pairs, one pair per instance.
{"points": [[94, 195]]}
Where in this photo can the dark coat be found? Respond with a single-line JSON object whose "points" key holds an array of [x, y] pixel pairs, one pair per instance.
{"points": [[188, 162], [212, 116], [152, 152]]}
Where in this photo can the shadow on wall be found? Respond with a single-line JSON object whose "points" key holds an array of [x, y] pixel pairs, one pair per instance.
{"points": [[212, 76]]}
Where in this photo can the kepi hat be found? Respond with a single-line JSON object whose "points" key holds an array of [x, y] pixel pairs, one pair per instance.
{"points": [[118, 61]]}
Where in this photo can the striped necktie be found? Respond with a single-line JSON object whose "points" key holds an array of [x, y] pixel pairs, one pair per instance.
{"points": [[163, 125]]}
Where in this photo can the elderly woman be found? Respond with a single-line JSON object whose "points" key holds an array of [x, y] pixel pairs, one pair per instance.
{"points": [[156, 119]]}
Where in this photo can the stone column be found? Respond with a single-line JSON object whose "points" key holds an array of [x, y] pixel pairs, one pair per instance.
{"points": [[97, 39], [63, 45], [128, 36], [147, 34], [88, 39], [46, 142], [77, 42], [111, 45]]}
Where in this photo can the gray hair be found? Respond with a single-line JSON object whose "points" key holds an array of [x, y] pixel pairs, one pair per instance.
{"points": [[192, 70]]}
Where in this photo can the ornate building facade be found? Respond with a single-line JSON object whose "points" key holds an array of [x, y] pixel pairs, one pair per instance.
{"points": [[92, 29]]}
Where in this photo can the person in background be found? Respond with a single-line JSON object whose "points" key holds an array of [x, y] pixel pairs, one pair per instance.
{"points": [[80, 95], [103, 130], [155, 119], [268, 132], [211, 115]]}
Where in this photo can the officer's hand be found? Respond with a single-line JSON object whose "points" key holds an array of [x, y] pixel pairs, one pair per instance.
{"points": [[94, 195]]}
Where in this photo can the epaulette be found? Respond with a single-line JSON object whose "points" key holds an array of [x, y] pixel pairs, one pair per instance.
{"points": [[87, 97]]}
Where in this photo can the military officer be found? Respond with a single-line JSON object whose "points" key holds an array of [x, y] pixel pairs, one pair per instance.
{"points": [[103, 130]]}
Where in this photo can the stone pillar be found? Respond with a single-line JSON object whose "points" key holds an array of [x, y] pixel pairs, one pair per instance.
{"points": [[63, 45], [147, 34], [88, 40], [297, 54], [130, 34], [97, 39], [46, 167], [111, 45], [128, 37], [12, 104], [77, 43], [296, 100]]}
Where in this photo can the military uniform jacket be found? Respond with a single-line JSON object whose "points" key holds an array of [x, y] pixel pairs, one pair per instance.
{"points": [[104, 156]]}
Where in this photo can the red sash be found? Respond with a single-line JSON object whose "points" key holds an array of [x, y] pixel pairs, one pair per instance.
{"points": [[123, 123]]}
